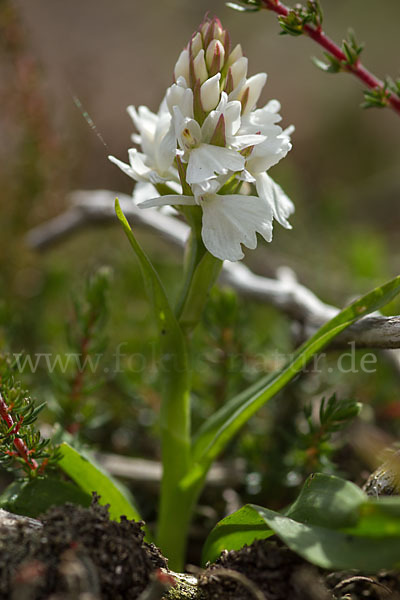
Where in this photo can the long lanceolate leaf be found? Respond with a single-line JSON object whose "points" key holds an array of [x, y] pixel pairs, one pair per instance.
{"points": [[222, 426], [173, 355], [175, 408], [90, 477]]}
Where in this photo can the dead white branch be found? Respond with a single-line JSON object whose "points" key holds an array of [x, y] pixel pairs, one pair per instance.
{"points": [[285, 292]]}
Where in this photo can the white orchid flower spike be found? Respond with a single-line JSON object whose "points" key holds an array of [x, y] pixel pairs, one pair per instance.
{"points": [[209, 139]]}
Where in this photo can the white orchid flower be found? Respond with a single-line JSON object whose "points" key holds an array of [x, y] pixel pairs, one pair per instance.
{"points": [[155, 162], [228, 220], [269, 152], [212, 149], [205, 160]]}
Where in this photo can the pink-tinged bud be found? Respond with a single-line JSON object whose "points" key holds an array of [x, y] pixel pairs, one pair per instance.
{"points": [[196, 44], [227, 43], [219, 32], [212, 30], [215, 56], [200, 67], [252, 91], [236, 53], [238, 70], [204, 29], [182, 66], [210, 93]]}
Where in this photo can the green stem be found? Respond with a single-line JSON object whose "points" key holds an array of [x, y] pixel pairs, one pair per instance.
{"points": [[203, 278], [174, 512], [177, 502], [176, 506], [194, 252], [201, 272]]}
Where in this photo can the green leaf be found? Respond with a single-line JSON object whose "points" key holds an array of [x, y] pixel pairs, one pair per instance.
{"points": [[332, 66], [89, 477], [327, 501], [333, 549], [219, 429], [34, 497], [173, 360], [170, 333], [332, 524], [232, 533]]}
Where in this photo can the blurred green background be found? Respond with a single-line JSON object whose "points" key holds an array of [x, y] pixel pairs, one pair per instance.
{"points": [[342, 174]]}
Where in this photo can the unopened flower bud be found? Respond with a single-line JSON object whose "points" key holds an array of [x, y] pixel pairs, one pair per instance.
{"points": [[212, 30], [210, 93], [178, 95], [236, 53], [199, 67], [227, 42], [219, 33], [252, 91], [196, 44], [204, 28], [238, 70], [182, 66], [215, 56]]}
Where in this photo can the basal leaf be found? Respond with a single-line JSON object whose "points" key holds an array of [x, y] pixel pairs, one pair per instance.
{"points": [[34, 497], [332, 524], [173, 358], [91, 478], [170, 333], [327, 501], [232, 533], [337, 549]]}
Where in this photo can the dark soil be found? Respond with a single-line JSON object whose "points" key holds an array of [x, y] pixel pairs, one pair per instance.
{"points": [[265, 567], [78, 553], [267, 570]]}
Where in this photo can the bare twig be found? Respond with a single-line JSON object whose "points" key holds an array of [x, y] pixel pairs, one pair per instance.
{"points": [[148, 472], [285, 292]]}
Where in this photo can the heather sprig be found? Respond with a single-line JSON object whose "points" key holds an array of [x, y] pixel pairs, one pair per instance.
{"points": [[307, 20], [315, 442], [21, 443], [86, 343]]}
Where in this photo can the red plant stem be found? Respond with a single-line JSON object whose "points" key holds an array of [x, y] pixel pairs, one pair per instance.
{"points": [[358, 69], [19, 444]]}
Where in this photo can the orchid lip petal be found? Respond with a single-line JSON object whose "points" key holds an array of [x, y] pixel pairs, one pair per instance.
{"points": [[232, 220]]}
